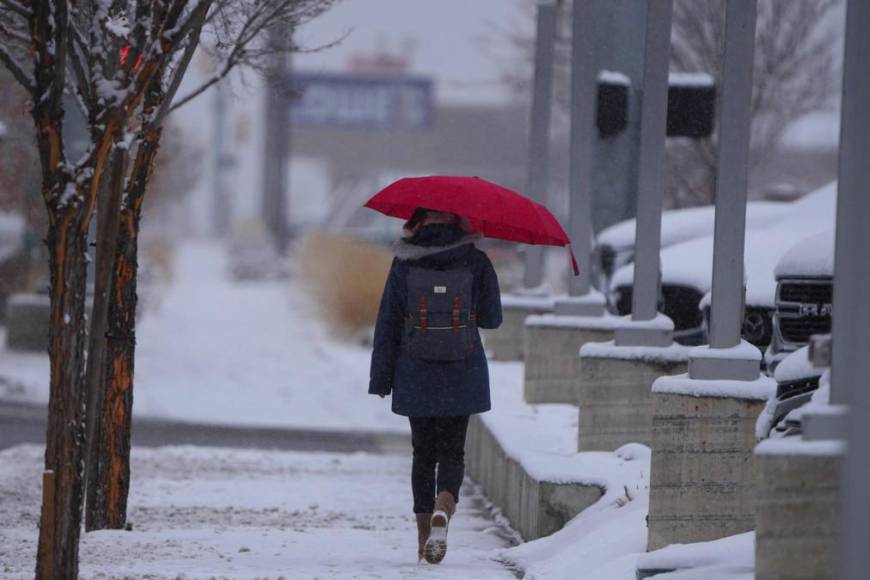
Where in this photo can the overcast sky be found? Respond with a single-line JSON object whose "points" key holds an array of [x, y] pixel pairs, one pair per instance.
{"points": [[444, 39]]}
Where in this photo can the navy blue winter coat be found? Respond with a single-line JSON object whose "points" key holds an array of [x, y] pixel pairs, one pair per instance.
{"points": [[428, 388]]}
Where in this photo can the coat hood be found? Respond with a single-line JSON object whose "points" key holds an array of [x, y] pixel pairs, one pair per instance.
{"points": [[405, 251]]}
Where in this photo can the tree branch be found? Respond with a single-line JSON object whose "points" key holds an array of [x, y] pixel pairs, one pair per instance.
{"points": [[198, 19], [14, 34], [61, 34], [10, 63], [17, 8], [79, 68]]}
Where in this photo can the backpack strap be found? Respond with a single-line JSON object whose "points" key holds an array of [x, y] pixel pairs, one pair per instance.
{"points": [[424, 317], [457, 307]]}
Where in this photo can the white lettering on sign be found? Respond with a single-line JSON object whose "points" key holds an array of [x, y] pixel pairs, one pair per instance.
{"points": [[361, 101], [440, 289]]}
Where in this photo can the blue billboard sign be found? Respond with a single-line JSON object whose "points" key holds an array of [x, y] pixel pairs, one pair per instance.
{"points": [[361, 101]]}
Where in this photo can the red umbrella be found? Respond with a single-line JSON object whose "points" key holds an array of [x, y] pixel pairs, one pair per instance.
{"points": [[493, 210]]}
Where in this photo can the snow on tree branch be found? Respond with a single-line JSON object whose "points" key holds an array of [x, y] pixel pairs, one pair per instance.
{"points": [[238, 39], [14, 67], [16, 7], [9, 32]]}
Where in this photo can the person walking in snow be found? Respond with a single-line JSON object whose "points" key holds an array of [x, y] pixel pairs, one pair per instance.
{"points": [[428, 355]]}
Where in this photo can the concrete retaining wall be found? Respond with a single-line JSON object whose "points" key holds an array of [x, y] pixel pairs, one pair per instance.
{"points": [[506, 342], [553, 360], [796, 507], [616, 400], [702, 478], [534, 508]]}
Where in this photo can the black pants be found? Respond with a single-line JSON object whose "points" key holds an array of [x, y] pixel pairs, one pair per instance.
{"points": [[437, 441]]}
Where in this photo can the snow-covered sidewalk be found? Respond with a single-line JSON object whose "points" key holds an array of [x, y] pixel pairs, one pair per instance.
{"points": [[199, 513], [245, 353]]}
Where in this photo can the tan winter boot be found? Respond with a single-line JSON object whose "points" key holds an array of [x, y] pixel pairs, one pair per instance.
{"points": [[424, 524], [436, 546]]}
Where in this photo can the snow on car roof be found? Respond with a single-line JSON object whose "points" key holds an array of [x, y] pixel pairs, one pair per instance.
{"points": [[691, 263], [680, 225], [811, 258]]}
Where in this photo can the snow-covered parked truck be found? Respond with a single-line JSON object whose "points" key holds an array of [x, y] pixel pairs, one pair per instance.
{"points": [[614, 246], [804, 293], [687, 271]]}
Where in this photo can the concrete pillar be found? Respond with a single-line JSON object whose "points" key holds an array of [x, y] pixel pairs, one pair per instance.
{"points": [[735, 114], [615, 392], [650, 184], [552, 354], [702, 479], [796, 523], [539, 133], [553, 342], [507, 342], [813, 515], [615, 379], [581, 301], [702, 474]]}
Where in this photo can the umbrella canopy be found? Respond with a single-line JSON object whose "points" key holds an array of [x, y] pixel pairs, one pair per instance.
{"points": [[494, 211]]}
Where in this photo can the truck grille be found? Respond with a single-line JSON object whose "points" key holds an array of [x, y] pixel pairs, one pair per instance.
{"points": [[803, 309], [799, 330], [806, 293]]}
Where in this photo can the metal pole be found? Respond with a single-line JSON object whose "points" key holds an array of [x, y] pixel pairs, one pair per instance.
{"points": [[650, 179], [850, 368], [539, 132], [277, 147], [583, 99], [732, 175], [221, 201]]}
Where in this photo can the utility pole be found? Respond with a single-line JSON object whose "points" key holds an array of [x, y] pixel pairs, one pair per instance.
{"points": [[221, 201], [276, 156], [538, 182]]}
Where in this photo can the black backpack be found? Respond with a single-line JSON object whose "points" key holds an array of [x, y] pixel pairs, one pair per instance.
{"points": [[441, 324]]}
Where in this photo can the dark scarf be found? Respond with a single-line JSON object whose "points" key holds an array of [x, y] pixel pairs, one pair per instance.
{"points": [[436, 235], [432, 239]]}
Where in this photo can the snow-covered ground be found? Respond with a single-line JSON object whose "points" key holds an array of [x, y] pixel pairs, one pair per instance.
{"points": [[200, 513], [220, 351]]}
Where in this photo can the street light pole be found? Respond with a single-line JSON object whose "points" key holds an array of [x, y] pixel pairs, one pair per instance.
{"points": [[221, 199], [538, 181], [277, 143]]}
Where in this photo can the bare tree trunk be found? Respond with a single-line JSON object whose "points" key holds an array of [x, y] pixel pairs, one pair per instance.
{"points": [[61, 516], [112, 479], [108, 224]]}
